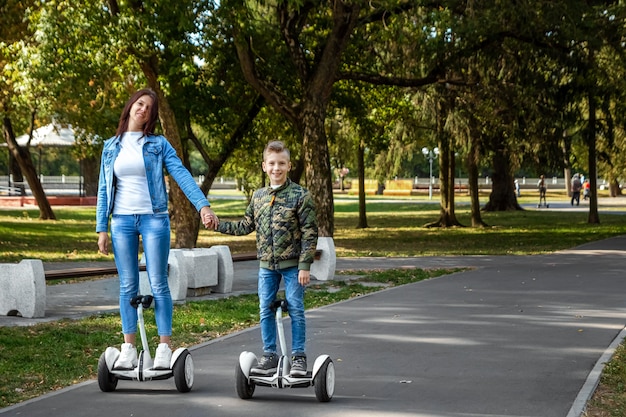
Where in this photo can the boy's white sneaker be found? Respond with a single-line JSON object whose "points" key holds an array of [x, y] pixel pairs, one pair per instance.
{"points": [[127, 358], [163, 357]]}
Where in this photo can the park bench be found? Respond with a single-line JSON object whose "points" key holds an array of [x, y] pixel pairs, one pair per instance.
{"points": [[398, 187]]}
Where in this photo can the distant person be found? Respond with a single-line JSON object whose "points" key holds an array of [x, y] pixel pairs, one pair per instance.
{"points": [[576, 187], [283, 216], [542, 186], [132, 192], [586, 189], [517, 188]]}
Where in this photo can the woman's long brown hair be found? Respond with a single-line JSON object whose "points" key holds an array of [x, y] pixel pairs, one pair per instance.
{"points": [[148, 128]]}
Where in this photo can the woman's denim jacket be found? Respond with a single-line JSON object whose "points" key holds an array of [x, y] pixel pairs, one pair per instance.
{"points": [[158, 154]]}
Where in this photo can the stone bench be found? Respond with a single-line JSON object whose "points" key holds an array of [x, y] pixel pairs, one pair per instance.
{"points": [[23, 289], [200, 271], [195, 272], [323, 268], [192, 272]]}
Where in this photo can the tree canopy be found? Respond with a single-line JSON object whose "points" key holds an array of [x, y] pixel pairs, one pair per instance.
{"points": [[500, 87]]}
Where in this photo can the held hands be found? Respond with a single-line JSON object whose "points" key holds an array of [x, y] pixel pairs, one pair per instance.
{"points": [[209, 219]]}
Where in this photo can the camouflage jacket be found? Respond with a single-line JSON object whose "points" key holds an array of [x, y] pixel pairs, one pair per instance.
{"points": [[285, 224]]}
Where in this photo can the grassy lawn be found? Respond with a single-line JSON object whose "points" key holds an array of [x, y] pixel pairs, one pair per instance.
{"points": [[396, 228]]}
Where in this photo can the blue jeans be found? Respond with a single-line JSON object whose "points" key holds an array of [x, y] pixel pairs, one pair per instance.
{"points": [[269, 282], [154, 230]]}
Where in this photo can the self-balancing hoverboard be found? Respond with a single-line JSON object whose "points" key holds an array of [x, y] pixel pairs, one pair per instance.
{"points": [[322, 377], [181, 364]]}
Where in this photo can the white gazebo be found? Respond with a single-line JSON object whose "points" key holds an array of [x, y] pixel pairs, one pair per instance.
{"points": [[53, 135], [49, 135]]}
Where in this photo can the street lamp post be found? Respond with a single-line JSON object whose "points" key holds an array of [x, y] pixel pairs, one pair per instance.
{"points": [[431, 155]]}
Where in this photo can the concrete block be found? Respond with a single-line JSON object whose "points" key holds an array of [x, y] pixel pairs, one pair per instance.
{"points": [[176, 279], [201, 267], [323, 269], [225, 270], [23, 289], [192, 272]]}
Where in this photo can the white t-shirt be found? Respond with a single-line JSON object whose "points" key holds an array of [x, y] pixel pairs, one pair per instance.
{"points": [[131, 194]]}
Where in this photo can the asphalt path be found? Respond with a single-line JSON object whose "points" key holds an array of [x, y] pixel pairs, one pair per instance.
{"points": [[511, 336]]}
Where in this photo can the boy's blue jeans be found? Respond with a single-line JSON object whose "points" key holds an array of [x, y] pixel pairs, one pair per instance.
{"points": [[154, 230], [269, 282]]}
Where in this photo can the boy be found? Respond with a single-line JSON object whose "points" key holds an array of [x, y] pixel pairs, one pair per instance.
{"points": [[283, 216]]}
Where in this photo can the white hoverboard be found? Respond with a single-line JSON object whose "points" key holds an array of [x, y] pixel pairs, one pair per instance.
{"points": [[322, 377], [181, 365]]}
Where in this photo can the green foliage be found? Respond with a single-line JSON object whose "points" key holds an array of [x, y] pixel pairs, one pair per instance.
{"points": [[517, 77], [73, 64]]}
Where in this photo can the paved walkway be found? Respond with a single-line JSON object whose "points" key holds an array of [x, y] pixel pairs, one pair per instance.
{"points": [[513, 336]]}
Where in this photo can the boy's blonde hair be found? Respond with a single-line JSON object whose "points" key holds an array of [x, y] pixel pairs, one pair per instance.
{"points": [[276, 146]]}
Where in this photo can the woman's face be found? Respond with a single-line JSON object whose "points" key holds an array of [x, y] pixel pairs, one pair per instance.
{"points": [[139, 113]]}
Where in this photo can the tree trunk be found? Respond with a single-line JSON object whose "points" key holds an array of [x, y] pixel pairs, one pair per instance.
{"points": [[297, 169], [447, 216], [502, 195], [448, 166], [185, 219], [306, 110], [23, 158], [567, 171], [16, 173], [614, 188], [472, 182], [361, 168], [214, 165], [317, 165], [594, 217], [90, 172]]}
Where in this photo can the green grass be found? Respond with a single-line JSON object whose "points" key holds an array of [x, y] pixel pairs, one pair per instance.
{"points": [[609, 399], [395, 229], [49, 356]]}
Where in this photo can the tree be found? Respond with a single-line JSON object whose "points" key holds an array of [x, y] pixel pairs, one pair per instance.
{"points": [[16, 89], [105, 51], [23, 158], [315, 80], [292, 53], [599, 32], [447, 216]]}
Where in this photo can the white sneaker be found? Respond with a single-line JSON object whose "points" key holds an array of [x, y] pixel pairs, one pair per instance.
{"points": [[127, 358], [163, 357]]}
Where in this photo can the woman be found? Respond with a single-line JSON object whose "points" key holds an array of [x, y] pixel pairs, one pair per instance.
{"points": [[131, 191]]}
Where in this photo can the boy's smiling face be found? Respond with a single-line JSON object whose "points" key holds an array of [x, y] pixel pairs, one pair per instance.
{"points": [[276, 165]]}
